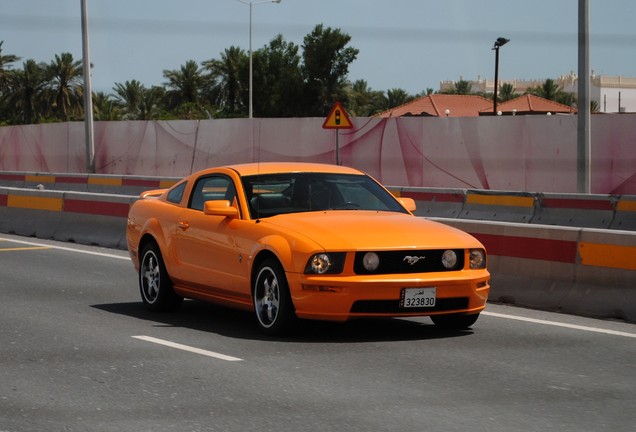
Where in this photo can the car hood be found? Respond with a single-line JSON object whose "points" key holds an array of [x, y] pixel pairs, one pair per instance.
{"points": [[372, 230]]}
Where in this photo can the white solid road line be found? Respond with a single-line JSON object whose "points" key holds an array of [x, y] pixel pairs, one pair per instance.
{"points": [[65, 248], [188, 348], [559, 324]]}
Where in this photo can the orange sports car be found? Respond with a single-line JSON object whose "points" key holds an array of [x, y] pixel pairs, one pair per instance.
{"points": [[295, 241]]}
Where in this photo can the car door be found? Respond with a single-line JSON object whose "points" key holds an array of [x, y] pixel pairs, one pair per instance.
{"points": [[204, 245]]}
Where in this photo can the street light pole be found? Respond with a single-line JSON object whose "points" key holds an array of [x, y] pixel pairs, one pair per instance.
{"points": [[251, 4], [88, 93], [498, 43], [584, 145]]}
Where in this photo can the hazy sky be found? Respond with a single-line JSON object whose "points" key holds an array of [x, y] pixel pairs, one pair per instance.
{"points": [[408, 44]]}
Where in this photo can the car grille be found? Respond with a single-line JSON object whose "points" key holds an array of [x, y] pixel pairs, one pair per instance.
{"points": [[410, 261], [393, 306]]}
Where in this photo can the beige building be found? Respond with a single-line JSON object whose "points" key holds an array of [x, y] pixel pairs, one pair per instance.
{"points": [[612, 93]]}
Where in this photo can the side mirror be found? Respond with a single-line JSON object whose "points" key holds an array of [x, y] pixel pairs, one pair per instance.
{"points": [[408, 203], [220, 208]]}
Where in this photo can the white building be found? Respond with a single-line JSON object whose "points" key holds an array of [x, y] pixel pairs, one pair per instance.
{"points": [[612, 93]]}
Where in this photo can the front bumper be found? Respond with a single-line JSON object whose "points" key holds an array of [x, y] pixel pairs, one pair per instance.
{"points": [[339, 298]]}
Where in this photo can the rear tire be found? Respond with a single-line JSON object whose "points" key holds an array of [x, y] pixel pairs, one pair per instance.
{"points": [[454, 321], [273, 305], [155, 285]]}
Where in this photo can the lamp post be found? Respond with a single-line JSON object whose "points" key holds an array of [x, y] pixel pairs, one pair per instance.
{"points": [[498, 43], [88, 92], [251, 4]]}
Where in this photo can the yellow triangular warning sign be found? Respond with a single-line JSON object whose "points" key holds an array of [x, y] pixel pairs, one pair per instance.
{"points": [[337, 118]]}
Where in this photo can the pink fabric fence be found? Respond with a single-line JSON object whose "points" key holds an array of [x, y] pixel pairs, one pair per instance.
{"points": [[520, 153]]}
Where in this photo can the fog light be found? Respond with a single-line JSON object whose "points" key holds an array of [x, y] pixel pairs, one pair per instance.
{"points": [[449, 259], [371, 261]]}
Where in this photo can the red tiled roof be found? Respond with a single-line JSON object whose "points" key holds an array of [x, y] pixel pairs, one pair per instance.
{"points": [[529, 103], [435, 105]]}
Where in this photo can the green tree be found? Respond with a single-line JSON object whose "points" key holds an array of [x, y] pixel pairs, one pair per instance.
{"points": [[105, 107], [594, 107], [184, 91], [152, 103], [326, 60], [129, 96], [64, 90], [278, 83], [363, 101], [506, 92], [461, 87], [226, 87], [5, 64], [396, 97], [24, 95], [552, 91]]}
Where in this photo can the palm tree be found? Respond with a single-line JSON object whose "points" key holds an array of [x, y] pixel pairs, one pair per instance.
{"points": [[5, 63], [463, 87], [105, 108], [225, 78], [151, 106], [594, 107], [552, 91], [396, 97], [129, 96], [363, 101], [184, 87], [65, 91], [506, 92], [25, 92]]}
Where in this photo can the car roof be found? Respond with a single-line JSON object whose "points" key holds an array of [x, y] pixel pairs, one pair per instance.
{"points": [[287, 167]]}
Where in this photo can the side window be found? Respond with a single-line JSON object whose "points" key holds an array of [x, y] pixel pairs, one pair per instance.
{"points": [[175, 195], [212, 188]]}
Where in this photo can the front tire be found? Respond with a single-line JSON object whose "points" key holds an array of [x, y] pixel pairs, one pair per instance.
{"points": [[272, 301], [155, 285], [454, 321]]}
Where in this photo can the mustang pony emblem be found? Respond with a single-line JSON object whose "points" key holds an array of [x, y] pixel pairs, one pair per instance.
{"points": [[412, 260]]}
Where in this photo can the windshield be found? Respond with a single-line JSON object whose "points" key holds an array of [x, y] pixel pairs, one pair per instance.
{"points": [[272, 194]]}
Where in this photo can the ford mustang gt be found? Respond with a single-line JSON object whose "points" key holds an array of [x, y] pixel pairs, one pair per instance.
{"points": [[292, 241]]}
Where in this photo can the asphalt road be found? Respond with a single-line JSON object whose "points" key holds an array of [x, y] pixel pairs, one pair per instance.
{"points": [[78, 352]]}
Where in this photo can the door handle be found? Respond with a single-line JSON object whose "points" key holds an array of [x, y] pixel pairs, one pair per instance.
{"points": [[184, 225]]}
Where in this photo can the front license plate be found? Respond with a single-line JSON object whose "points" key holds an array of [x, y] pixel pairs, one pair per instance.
{"points": [[418, 297]]}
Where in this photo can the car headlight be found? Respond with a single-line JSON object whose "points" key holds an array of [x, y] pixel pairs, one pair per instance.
{"points": [[371, 261], [323, 263], [449, 259], [477, 259]]}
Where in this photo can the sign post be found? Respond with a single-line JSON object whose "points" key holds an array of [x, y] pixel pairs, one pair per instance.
{"points": [[337, 119]]}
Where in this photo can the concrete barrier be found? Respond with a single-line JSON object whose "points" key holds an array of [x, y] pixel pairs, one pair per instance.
{"points": [[31, 213], [95, 183], [499, 206], [436, 201], [582, 271], [12, 179], [80, 217], [589, 211], [625, 214], [578, 210]]}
